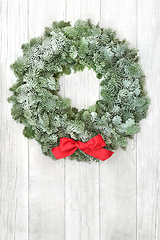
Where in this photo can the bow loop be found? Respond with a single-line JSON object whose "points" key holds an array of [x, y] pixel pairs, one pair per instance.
{"points": [[67, 143], [94, 148], [96, 142]]}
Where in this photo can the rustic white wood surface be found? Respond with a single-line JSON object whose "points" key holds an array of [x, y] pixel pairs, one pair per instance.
{"points": [[118, 199]]}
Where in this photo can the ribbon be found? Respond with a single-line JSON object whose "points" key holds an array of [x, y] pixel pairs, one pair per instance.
{"points": [[94, 148]]}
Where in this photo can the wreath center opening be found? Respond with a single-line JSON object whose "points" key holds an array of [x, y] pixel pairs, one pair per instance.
{"points": [[82, 88]]}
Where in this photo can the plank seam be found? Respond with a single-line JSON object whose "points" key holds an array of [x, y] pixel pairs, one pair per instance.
{"points": [[137, 2], [99, 161], [65, 219], [64, 199], [28, 153]]}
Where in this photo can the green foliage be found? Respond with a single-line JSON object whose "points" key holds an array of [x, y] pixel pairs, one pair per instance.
{"points": [[29, 132], [48, 117]]}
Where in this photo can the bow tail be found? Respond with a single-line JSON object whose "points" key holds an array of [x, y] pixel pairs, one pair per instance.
{"points": [[100, 153]]}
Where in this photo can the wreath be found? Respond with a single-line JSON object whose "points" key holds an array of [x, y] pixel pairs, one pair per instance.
{"points": [[50, 119]]}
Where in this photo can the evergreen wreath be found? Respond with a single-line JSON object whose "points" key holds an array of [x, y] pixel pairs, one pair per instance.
{"points": [[48, 117]]}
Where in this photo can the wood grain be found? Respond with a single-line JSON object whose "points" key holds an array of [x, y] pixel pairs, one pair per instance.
{"points": [[13, 145], [148, 156], [46, 177], [118, 199], [118, 174], [82, 180]]}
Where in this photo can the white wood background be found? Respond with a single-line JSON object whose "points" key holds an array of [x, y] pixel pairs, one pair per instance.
{"points": [[118, 199]]}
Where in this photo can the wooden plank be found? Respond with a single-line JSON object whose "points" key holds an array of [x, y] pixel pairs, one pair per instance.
{"points": [[13, 145], [118, 174], [82, 200], [82, 179], [46, 177], [46, 196], [67, 206], [148, 157]]}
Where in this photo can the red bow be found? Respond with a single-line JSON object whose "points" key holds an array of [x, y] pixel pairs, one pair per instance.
{"points": [[94, 148]]}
